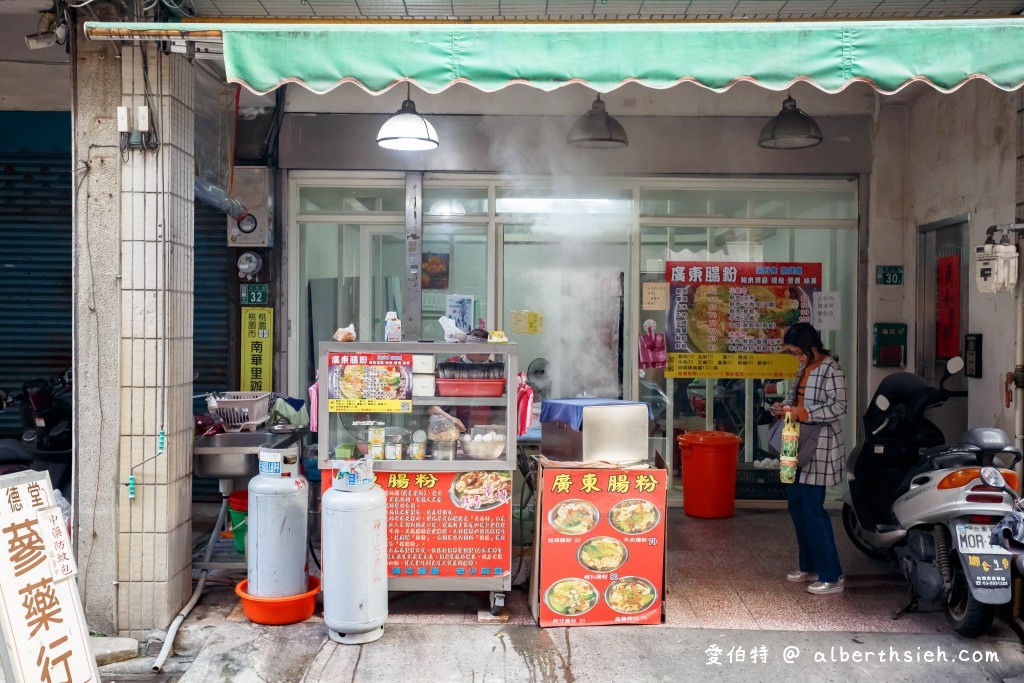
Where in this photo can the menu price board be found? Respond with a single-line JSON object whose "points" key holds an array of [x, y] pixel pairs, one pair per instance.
{"points": [[736, 307], [369, 382], [602, 546], [448, 524]]}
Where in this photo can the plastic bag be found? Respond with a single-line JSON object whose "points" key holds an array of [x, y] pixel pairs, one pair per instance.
{"points": [[451, 331], [789, 454], [653, 353], [443, 427], [345, 334]]}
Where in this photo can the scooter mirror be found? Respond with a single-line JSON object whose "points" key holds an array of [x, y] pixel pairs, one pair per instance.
{"points": [[881, 402], [992, 477], [954, 365]]}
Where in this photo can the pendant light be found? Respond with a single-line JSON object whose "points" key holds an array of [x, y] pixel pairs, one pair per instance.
{"points": [[790, 129], [406, 130], [597, 129]]}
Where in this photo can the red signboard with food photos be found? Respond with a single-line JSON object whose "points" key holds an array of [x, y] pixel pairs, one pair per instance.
{"points": [[448, 524], [602, 546]]}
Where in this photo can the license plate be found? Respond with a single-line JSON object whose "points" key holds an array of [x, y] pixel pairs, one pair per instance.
{"points": [[974, 538]]}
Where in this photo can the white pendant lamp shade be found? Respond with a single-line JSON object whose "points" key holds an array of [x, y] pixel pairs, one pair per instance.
{"points": [[790, 129], [597, 129], [406, 130]]}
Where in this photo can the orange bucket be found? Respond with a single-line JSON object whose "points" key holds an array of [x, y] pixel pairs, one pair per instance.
{"points": [[709, 473], [279, 611]]}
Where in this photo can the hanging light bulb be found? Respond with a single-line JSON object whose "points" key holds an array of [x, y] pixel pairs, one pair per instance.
{"points": [[791, 128], [597, 129], [406, 130]]}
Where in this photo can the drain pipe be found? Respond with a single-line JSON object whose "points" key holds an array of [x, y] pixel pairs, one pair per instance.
{"points": [[172, 630]]}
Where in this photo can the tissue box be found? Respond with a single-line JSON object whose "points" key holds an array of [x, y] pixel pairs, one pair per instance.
{"points": [[616, 432], [422, 363], [422, 385]]}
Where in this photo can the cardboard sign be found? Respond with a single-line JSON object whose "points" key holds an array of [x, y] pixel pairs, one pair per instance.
{"points": [[448, 524], [602, 546], [45, 635], [654, 296]]}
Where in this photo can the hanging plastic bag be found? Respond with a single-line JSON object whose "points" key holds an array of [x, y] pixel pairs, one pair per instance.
{"points": [[653, 353], [789, 454], [524, 405]]}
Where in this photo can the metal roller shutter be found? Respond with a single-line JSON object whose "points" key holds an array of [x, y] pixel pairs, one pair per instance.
{"points": [[35, 271]]}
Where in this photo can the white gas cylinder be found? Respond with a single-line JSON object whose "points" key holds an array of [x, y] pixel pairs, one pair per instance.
{"points": [[354, 551], [278, 511]]}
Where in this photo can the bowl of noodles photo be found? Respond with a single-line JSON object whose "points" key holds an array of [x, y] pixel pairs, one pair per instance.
{"points": [[571, 596], [574, 516], [770, 311], [482, 490], [634, 516], [630, 595], [602, 554]]}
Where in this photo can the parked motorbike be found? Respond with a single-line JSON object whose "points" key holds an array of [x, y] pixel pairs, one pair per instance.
{"points": [[922, 502], [46, 439]]}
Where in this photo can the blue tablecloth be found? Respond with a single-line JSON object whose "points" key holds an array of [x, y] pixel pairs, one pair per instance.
{"points": [[570, 410]]}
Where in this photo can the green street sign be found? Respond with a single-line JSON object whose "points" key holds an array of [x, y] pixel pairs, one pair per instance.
{"points": [[255, 295], [889, 275]]}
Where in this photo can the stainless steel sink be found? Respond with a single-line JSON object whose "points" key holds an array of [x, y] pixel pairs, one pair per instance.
{"points": [[231, 455]]}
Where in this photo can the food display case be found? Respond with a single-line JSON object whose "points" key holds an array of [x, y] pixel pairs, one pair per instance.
{"points": [[439, 421]]}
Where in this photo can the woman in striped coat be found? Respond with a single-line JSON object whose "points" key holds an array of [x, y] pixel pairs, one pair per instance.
{"points": [[818, 397]]}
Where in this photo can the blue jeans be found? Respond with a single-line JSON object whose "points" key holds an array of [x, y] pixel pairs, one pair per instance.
{"points": [[814, 537]]}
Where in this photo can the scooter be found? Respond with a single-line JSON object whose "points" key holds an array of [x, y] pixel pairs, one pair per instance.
{"points": [[46, 439], [923, 503]]}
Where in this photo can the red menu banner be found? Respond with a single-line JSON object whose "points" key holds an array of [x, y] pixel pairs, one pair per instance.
{"points": [[602, 546], [448, 524]]}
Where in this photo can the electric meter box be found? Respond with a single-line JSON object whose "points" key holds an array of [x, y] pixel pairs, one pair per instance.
{"points": [[889, 345], [995, 267], [251, 187]]}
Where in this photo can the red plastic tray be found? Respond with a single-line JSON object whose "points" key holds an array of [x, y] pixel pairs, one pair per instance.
{"points": [[470, 387]]}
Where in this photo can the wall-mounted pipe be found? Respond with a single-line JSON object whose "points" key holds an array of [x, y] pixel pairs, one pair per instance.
{"points": [[217, 197]]}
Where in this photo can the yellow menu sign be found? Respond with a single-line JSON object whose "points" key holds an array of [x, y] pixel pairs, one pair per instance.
{"points": [[723, 365], [257, 348]]}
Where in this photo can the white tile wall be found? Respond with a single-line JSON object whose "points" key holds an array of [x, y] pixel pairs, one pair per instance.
{"points": [[154, 528]]}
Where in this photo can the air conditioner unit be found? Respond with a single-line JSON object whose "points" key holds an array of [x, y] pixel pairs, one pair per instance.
{"points": [[251, 187]]}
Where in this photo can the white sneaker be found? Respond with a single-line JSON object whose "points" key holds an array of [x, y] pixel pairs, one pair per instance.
{"points": [[826, 587], [799, 576]]}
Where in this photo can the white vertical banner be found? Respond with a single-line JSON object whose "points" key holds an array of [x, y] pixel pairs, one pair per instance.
{"points": [[45, 636], [828, 311]]}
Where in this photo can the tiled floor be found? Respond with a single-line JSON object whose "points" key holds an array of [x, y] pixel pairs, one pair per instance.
{"points": [[725, 573], [730, 574]]}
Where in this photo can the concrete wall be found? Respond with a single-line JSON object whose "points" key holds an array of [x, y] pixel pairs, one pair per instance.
{"points": [[961, 159], [31, 80]]}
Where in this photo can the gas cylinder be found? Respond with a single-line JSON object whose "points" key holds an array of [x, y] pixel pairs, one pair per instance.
{"points": [[354, 550], [278, 509]]}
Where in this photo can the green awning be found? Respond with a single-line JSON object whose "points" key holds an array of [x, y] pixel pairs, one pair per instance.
{"points": [[604, 56]]}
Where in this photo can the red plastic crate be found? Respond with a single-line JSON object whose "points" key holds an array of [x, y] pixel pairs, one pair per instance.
{"points": [[470, 387]]}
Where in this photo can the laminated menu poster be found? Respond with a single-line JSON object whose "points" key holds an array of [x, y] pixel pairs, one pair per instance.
{"points": [[602, 546], [736, 307], [369, 382], [448, 524]]}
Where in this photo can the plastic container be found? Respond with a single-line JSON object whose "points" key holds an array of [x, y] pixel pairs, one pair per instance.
{"points": [[241, 410], [488, 388], [709, 473], [238, 510], [278, 611]]}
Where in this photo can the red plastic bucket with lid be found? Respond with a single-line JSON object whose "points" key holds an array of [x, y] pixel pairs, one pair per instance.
{"points": [[709, 473]]}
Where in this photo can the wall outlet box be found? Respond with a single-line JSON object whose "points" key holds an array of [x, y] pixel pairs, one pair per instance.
{"points": [[143, 118], [123, 125]]}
